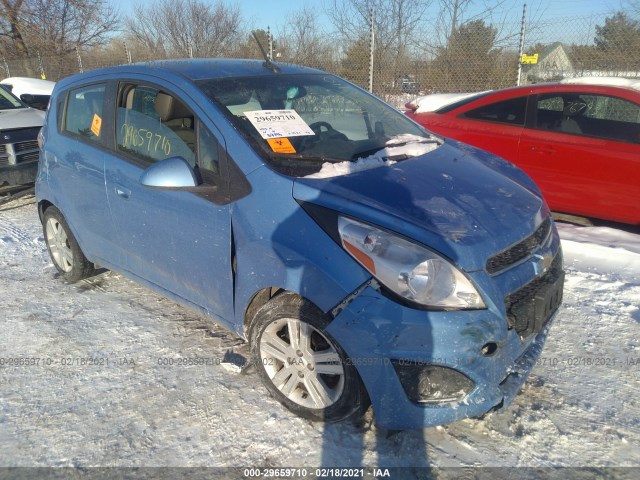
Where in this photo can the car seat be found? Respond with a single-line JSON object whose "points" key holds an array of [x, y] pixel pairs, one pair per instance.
{"points": [[169, 109], [573, 109]]}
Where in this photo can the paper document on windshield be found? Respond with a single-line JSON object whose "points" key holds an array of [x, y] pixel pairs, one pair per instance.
{"points": [[278, 123]]}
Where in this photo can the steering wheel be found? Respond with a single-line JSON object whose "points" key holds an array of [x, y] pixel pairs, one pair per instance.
{"points": [[323, 132], [318, 126], [330, 133]]}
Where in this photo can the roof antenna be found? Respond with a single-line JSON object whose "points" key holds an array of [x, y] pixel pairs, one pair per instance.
{"points": [[267, 61]]}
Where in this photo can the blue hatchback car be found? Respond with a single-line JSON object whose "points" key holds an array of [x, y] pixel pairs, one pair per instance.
{"points": [[365, 260]]}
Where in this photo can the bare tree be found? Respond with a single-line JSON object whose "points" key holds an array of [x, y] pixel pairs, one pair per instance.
{"points": [[394, 20], [303, 42], [397, 24], [454, 13], [55, 27], [184, 27], [11, 27]]}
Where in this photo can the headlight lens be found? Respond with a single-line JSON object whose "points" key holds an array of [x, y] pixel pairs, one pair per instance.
{"points": [[409, 270]]}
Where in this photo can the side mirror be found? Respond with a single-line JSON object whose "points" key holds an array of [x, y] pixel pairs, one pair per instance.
{"points": [[172, 172], [35, 101]]}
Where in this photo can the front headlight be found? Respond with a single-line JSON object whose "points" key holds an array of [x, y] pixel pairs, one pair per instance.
{"points": [[409, 270]]}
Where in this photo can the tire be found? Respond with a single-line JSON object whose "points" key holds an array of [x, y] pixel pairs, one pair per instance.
{"points": [[64, 250], [329, 391]]}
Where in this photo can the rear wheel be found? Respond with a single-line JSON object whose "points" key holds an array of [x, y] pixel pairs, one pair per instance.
{"points": [[301, 365], [63, 248]]}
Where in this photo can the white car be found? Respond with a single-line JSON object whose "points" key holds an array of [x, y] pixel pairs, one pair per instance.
{"points": [[32, 91], [19, 152], [434, 101]]}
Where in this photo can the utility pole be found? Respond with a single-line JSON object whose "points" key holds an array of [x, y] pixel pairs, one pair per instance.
{"points": [[42, 74], [372, 49], [6, 66], [521, 49], [127, 52], [80, 67], [454, 18]]}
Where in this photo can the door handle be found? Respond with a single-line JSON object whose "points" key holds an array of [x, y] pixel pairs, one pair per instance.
{"points": [[122, 192], [543, 150]]}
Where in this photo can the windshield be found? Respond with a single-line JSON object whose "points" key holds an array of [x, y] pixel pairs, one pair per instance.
{"points": [[301, 121], [8, 101]]}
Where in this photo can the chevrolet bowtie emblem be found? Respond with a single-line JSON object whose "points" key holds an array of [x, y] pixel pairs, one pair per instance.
{"points": [[541, 263]]}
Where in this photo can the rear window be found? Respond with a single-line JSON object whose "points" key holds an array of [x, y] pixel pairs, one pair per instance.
{"points": [[460, 103], [511, 112]]}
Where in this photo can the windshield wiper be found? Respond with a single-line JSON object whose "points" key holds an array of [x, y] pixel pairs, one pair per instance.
{"points": [[295, 158], [393, 145]]}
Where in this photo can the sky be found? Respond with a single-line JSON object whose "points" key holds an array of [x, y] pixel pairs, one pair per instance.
{"points": [[273, 13]]}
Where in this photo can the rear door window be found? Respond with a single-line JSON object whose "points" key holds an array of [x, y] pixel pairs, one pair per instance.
{"points": [[83, 115]]}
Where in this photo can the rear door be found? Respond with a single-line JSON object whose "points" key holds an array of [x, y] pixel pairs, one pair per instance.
{"points": [[76, 168], [583, 150], [178, 240]]}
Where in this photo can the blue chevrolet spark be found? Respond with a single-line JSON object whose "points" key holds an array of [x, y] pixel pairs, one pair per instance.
{"points": [[364, 259]]}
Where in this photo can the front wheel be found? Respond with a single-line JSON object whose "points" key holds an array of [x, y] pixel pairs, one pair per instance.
{"points": [[63, 247], [301, 365]]}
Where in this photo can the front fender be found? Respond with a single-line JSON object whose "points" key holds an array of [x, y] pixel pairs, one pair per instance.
{"points": [[279, 245]]}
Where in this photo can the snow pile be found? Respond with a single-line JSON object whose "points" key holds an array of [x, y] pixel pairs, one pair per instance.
{"points": [[405, 145], [602, 248]]}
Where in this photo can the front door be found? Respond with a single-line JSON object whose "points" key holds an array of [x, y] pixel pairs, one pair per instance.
{"points": [[178, 240]]}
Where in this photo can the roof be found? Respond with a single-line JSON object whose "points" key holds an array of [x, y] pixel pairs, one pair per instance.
{"points": [[608, 81], [198, 69], [35, 86]]}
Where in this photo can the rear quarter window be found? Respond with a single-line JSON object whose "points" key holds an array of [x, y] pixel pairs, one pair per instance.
{"points": [[510, 112]]}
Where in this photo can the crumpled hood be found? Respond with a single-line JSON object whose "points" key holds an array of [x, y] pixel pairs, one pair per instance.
{"points": [[463, 202], [20, 118]]}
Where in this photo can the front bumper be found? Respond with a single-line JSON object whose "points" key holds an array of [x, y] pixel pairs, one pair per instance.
{"points": [[376, 333], [19, 174]]}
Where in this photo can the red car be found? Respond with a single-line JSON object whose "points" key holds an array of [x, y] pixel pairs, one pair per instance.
{"points": [[579, 141]]}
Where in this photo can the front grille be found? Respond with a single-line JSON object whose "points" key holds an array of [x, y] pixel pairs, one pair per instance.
{"points": [[28, 157], [520, 250], [22, 146], [531, 307]]}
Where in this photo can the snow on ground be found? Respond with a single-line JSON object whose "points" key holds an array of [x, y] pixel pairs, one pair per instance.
{"points": [[131, 407]]}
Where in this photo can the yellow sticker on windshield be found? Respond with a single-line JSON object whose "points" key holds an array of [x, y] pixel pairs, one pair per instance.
{"points": [[281, 145], [96, 124]]}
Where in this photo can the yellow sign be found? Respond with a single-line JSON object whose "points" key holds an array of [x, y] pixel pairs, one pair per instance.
{"points": [[281, 145], [529, 59], [96, 124]]}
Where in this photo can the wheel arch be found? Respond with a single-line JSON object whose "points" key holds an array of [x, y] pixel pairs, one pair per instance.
{"points": [[260, 299], [43, 205]]}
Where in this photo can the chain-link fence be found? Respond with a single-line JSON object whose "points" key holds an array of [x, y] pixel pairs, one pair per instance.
{"points": [[475, 56]]}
